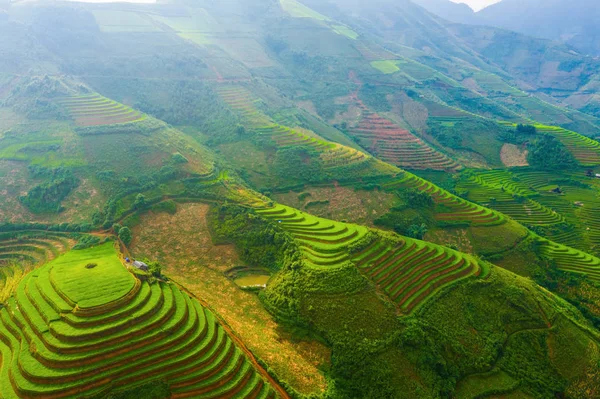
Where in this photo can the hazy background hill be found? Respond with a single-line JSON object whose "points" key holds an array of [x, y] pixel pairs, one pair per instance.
{"points": [[570, 22]]}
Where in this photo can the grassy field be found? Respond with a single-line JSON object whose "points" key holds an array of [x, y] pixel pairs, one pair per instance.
{"points": [[106, 282], [299, 10], [345, 31], [340, 203], [385, 66]]}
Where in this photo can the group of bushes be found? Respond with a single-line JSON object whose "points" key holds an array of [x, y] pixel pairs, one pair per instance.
{"points": [[48, 196], [144, 126], [259, 242]]}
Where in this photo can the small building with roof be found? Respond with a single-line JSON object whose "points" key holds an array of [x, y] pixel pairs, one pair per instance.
{"points": [[140, 265]]}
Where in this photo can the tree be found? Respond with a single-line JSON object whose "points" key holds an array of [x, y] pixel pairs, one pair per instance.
{"points": [[125, 235], [526, 129], [117, 228], [140, 202], [240, 130], [155, 268], [417, 231], [417, 199]]}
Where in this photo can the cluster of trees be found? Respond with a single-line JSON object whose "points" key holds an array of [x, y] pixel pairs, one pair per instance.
{"points": [[48, 196], [546, 152], [259, 242], [298, 164], [520, 135]]}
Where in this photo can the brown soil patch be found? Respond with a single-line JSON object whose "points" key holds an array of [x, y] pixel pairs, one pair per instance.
{"points": [[414, 113], [182, 243], [512, 155], [451, 236], [13, 183], [361, 207]]}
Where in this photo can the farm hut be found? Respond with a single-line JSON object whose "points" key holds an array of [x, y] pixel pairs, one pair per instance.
{"points": [[140, 265]]}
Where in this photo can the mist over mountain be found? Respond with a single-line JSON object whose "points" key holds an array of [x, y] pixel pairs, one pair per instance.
{"points": [[455, 12], [573, 22]]}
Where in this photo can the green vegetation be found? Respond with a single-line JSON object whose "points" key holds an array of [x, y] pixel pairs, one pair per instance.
{"points": [[261, 244], [344, 30], [78, 317], [548, 153], [385, 66], [47, 197], [298, 10]]}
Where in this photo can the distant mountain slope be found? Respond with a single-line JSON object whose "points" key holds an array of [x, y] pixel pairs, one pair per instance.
{"points": [[574, 22], [570, 22], [552, 71], [455, 12]]}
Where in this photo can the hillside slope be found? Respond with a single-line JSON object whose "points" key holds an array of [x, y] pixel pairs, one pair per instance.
{"points": [[569, 22]]}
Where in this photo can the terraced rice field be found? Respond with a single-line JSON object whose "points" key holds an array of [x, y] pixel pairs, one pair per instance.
{"points": [[458, 209], [332, 155], [409, 272], [398, 146], [497, 190], [323, 242], [413, 270], [573, 260], [526, 196], [244, 103], [96, 110], [77, 330], [33, 247], [444, 113], [584, 149], [10, 276]]}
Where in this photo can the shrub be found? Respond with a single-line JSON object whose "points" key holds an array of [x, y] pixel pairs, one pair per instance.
{"points": [[168, 206], [87, 241], [303, 196], [140, 202], [48, 196], [177, 158]]}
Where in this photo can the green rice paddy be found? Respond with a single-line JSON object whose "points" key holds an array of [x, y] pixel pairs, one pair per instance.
{"points": [[409, 271], [131, 333], [385, 66], [299, 10]]}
